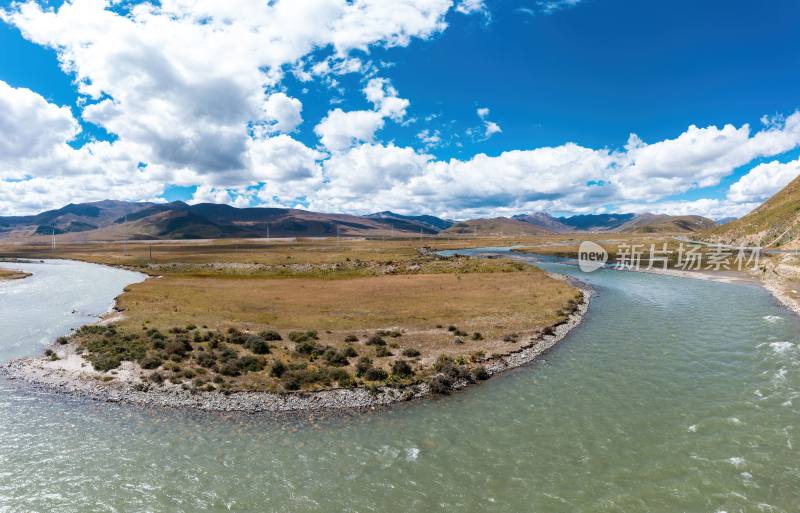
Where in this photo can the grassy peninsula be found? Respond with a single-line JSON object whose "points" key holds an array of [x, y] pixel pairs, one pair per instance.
{"points": [[312, 315]]}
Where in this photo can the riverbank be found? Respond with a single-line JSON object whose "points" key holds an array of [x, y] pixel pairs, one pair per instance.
{"points": [[66, 371]]}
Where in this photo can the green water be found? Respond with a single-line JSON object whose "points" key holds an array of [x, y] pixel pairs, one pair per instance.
{"points": [[675, 395]]}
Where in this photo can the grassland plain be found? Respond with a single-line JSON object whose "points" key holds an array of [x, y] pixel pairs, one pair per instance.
{"points": [[311, 315]]}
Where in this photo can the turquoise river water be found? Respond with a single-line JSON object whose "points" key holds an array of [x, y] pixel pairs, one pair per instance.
{"points": [[674, 395]]}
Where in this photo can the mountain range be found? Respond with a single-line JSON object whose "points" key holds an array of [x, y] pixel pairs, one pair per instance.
{"points": [[114, 220]]}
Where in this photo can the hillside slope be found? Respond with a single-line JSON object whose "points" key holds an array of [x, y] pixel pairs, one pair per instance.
{"points": [[662, 223], [494, 226], [775, 223]]}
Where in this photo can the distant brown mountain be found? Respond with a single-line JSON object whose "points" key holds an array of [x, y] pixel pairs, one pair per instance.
{"points": [[628, 223], [545, 221], [114, 220], [72, 218]]}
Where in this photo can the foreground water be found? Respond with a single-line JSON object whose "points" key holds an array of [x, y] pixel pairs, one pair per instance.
{"points": [[674, 395]]}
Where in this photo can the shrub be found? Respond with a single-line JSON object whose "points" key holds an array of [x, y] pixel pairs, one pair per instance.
{"points": [[480, 373], [549, 330], [236, 337], [341, 376], [350, 352], [308, 347], [257, 344], [375, 340], [104, 362], [62, 341], [402, 369], [382, 352], [440, 384], [460, 333], [477, 336], [151, 362], [303, 336], [205, 359], [191, 327], [363, 365], [270, 335], [291, 381], [231, 368], [227, 355], [334, 357], [178, 347], [452, 328], [374, 374], [277, 369], [351, 338], [410, 353], [156, 377], [250, 364]]}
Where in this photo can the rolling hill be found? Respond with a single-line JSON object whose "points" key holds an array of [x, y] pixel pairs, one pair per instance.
{"points": [[494, 226], [776, 223], [662, 223]]}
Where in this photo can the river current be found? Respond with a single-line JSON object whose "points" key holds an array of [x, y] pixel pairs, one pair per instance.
{"points": [[674, 395]]}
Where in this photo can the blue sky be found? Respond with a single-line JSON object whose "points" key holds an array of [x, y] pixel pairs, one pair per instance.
{"points": [[563, 84]]}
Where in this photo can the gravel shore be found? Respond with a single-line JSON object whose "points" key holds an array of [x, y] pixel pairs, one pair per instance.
{"points": [[72, 374]]}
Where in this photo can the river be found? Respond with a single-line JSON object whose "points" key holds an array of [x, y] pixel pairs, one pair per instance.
{"points": [[674, 395]]}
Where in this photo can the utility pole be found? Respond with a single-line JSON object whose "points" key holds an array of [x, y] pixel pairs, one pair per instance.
{"points": [[125, 241]]}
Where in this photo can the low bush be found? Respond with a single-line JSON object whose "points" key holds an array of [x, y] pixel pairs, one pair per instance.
{"points": [[231, 368], [151, 362], [178, 347], [251, 364], [549, 330], [452, 328], [402, 369], [351, 338], [308, 347], [270, 335], [335, 358], [303, 336], [257, 344], [363, 365], [277, 369], [375, 374], [62, 341], [382, 352], [440, 384], [480, 373], [410, 353], [477, 336], [375, 340], [156, 377], [350, 352], [205, 359]]}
